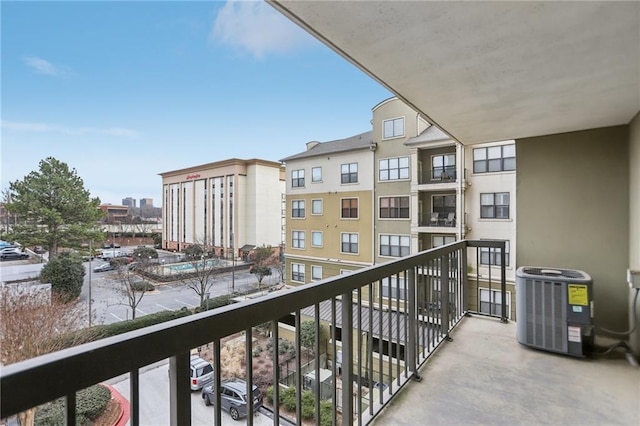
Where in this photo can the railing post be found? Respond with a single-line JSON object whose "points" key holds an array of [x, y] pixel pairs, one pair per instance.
{"points": [[503, 283], [347, 359], [179, 390], [464, 279], [134, 397], [70, 409], [412, 326], [444, 295]]}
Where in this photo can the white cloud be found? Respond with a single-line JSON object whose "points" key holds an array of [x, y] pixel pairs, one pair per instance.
{"points": [[55, 128], [257, 28], [42, 66]]}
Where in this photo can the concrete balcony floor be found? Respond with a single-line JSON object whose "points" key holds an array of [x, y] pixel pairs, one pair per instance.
{"points": [[486, 377]]}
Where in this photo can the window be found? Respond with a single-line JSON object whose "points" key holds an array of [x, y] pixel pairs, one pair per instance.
{"points": [[395, 245], [494, 158], [316, 174], [316, 238], [316, 273], [297, 178], [394, 207], [316, 206], [491, 301], [443, 166], [297, 239], [349, 173], [444, 203], [395, 287], [393, 128], [491, 256], [350, 243], [349, 208], [297, 272], [494, 205], [394, 168], [297, 208], [441, 240]]}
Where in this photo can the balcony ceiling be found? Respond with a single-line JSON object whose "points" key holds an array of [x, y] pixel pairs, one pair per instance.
{"points": [[487, 71]]}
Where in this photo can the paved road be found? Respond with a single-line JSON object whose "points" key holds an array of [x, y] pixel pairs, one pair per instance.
{"points": [[154, 400]]}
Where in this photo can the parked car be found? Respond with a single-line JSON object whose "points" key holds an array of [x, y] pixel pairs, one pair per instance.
{"points": [[13, 255], [104, 268], [10, 249], [233, 397], [201, 372]]}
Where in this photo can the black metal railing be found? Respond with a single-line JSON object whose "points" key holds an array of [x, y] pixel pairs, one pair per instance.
{"points": [[438, 219], [442, 174], [384, 321]]}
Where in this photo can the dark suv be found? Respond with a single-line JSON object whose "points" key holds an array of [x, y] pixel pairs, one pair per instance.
{"points": [[233, 397]]}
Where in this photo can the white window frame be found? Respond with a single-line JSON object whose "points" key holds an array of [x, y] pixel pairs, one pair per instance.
{"points": [[396, 199], [496, 294], [298, 240], [314, 273], [393, 128], [435, 243], [394, 285], [443, 168], [385, 165], [313, 240], [295, 272], [297, 177], [314, 178], [301, 208], [394, 241], [357, 208], [493, 255], [495, 205], [350, 234], [349, 173], [313, 205], [494, 157]]}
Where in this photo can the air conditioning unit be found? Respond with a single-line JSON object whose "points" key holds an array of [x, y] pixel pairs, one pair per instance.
{"points": [[554, 309]]}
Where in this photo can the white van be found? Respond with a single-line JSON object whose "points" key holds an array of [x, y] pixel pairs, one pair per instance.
{"points": [[111, 254]]}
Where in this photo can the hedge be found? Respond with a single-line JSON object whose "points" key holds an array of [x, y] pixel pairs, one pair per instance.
{"points": [[90, 403], [216, 302], [108, 330], [289, 401]]}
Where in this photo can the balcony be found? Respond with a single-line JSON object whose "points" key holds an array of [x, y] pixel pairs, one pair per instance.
{"points": [[441, 220], [438, 175], [389, 338]]}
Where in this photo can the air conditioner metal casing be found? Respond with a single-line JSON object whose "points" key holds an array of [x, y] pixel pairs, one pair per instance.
{"points": [[554, 307]]}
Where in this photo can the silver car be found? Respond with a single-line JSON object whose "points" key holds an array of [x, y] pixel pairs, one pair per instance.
{"points": [[233, 397], [201, 372]]}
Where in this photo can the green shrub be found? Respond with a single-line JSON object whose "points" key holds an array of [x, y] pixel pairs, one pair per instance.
{"points": [[308, 404], [142, 286], [216, 302], [256, 351], [269, 394], [145, 253], [90, 403], [288, 398], [107, 330], [65, 272], [284, 347], [326, 413]]}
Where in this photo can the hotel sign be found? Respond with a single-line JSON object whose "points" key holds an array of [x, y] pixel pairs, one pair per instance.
{"points": [[196, 176]]}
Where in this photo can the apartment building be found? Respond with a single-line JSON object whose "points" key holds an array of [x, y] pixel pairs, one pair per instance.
{"points": [[226, 205], [425, 190], [329, 202]]}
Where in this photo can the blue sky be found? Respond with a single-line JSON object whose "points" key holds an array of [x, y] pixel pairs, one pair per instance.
{"points": [[122, 91]]}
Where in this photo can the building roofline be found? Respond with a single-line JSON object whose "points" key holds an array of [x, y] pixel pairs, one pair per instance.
{"points": [[223, 163]]}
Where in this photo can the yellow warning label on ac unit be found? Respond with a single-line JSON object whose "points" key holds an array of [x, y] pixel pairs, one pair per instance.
{"points": [[578, 295]]}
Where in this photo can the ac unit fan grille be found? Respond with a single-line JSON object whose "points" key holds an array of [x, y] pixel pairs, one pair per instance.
{"points": [[554, 273]]}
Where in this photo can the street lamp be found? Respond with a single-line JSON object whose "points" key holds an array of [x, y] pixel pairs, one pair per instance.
{"points": [[233, 268], [90, 257]]}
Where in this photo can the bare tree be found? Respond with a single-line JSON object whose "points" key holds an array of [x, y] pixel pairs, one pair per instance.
{"points": [[200, 278], [35, 323], [131, 285], [263, 258]]}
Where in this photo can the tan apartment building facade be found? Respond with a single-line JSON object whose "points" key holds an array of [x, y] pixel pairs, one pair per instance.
{"points": [[226, 205], [329, 204]]}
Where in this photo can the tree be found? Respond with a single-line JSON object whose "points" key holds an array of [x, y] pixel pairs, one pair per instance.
{"points": [[131, 286], [54, 208], [145, 253], [308, 335], [66, 275], [200, 278], [35, 323], [262, 258]]}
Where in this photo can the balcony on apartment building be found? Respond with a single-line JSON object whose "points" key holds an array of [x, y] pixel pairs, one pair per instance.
{"points": [[393, 338]]}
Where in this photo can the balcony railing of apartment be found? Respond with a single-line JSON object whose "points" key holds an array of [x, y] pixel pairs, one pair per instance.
{"points": [[384, 323], [436, 175], [438, 219]]}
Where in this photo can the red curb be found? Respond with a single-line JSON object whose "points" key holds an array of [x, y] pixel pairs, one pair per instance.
{"points": [[125, 408]]}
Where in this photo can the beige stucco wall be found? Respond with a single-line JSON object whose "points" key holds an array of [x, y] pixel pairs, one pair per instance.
{"points": [[634, 221], [573, 211]]}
